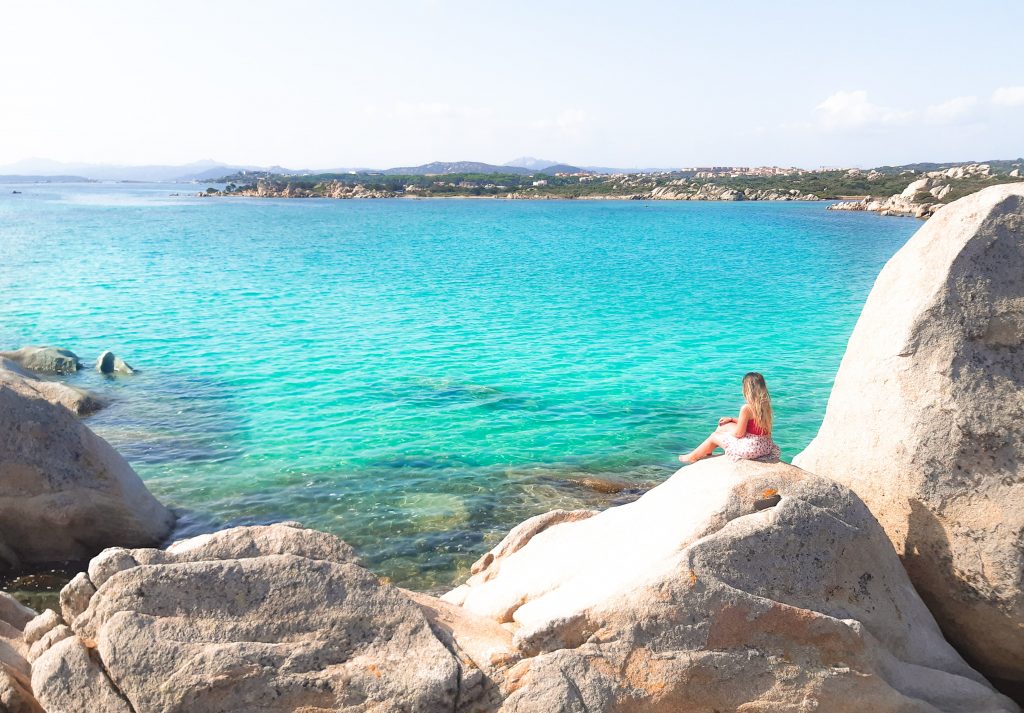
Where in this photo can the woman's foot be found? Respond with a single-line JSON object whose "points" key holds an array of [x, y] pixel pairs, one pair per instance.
{"points": [[690, 457]]}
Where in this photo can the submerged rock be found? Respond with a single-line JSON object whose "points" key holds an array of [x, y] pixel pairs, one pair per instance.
{"points": [[65, 494], [926, 420], [78, 401], [693, 599], [606, 486], [109, 363], [45, 360], [266, 619]]}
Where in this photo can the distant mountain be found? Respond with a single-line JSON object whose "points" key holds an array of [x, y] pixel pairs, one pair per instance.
{"points": [[441, 167], [158, 173], [209, 170], [199, 170], [534, 164], [18, 178]]}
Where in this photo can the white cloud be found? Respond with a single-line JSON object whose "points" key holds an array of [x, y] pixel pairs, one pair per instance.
{"points": [[853, 110], [949, 111], [1008, 96]]}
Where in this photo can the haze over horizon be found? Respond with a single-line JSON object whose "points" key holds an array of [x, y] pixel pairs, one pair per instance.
{"points": [[590, 84]]}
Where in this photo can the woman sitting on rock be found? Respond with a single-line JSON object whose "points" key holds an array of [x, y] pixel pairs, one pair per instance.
{"points": [[749, 435]]}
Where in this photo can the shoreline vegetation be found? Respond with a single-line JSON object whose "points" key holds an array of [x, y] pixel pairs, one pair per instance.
{"points": [[916, 190]]}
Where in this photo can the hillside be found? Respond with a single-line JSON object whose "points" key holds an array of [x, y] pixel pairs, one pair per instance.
{"points": [[884, 191], [444, 168]]}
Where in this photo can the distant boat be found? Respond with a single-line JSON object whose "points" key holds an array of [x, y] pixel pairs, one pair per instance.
{"points": [[16, 192]]}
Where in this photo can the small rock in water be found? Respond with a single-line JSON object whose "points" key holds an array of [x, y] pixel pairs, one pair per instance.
{"points": [[109, 363]]}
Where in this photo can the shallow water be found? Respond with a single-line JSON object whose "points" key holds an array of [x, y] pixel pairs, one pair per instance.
{"points": [[419, 376]]}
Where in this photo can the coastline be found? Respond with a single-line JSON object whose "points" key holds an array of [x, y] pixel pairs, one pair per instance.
{"points": [[918, 195]]}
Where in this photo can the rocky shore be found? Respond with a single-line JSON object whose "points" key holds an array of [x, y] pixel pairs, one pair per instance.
{"points": [[680, 190], [333, 189], [882, 574], [926, 194]]}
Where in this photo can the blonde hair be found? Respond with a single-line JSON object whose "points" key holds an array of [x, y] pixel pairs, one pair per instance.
{"points": [[755, 391]]}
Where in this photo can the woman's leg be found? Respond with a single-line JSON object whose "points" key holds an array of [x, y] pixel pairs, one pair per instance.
{"points": [[703, 450]]}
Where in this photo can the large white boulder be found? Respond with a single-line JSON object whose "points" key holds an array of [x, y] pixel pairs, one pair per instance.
{"points": [[926, 420], [265, 619], [65, 494], [732, 586], [914, 187]]}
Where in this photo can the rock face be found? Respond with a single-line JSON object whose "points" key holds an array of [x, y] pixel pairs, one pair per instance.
{"points": [[926, 194], [683, 190], [64, 492], [732, 586], [693, 599], [899, 205], [15, 670], [45, 360], [327, 189], [926, 421], [264, 619], [78, 401], [109, 363]]}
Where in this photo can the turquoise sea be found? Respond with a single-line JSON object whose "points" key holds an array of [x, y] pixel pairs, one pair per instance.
{"points": [[418, 376]]}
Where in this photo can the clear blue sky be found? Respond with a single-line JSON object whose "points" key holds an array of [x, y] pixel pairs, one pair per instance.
{"points": [[326, 84]]}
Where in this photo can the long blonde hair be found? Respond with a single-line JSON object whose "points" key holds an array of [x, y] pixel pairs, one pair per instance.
{"points": [[755, 391]]}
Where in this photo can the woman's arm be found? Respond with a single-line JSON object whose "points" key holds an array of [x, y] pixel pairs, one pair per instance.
{"points": [[742, 420]]}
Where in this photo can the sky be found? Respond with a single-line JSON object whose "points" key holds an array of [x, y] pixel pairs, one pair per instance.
{"points": [[307, 84]]}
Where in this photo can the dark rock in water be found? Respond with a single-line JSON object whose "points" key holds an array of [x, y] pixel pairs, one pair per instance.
{"points": [[109, 363], [45, 360]]}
